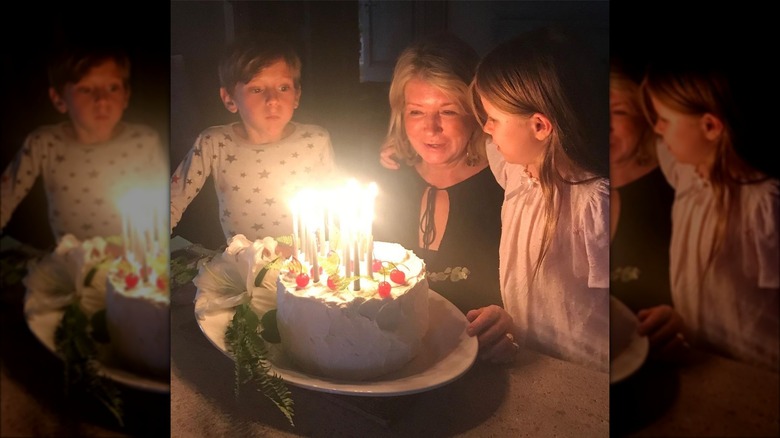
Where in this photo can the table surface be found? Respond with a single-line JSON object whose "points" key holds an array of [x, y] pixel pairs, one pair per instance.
{"points": [[32, 391], [535, 396]]}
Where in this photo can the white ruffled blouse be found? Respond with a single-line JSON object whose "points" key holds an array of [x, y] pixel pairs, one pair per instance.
{"points": [[565, 312], [732, 303]]}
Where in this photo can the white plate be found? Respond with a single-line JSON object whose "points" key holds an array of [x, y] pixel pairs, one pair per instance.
{"points": [[633, 355], [44, 325], [447, 353]]}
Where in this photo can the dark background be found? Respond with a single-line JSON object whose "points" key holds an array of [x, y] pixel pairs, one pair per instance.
{"points": [[738, 37], [348, 50], [143, 30]]}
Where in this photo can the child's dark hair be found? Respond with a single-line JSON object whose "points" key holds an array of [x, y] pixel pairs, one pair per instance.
{"points": [[250, 53], [72, 63]]}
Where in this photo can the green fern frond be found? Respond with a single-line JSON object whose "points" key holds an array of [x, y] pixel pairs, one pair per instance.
{"points": [[77, 349], [244, 342]]}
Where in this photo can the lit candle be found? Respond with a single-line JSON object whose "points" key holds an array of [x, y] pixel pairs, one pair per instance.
{"points": [[294, 208], [145, 234], [347, 256], [357, 266], [370, 257], [315, 264]]}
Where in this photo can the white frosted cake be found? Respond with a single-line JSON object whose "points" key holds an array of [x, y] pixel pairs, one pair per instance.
{"points": [[138, 318], [341, 333]]}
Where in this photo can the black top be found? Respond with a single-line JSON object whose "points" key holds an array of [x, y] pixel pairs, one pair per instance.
{"points": [[639, 252], [470, 240]]}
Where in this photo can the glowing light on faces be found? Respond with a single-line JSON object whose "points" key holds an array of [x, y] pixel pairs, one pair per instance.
{"points": [[96, 103], [513, 135], [267, 103], [684, 134], [435, 124], [626, 126]]}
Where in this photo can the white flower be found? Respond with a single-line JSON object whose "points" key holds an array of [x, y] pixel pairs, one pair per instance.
{"points": [[74, 270], [229, 279]]}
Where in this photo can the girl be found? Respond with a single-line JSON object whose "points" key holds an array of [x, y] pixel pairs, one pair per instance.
{"points": [[542, 99], [724, 246]]}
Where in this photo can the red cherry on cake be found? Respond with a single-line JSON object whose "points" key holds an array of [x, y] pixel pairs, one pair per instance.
{"points": [[161, 283], [384, 289], [302, 280], [311, 271], [131, 280], [377, 266], [332, 282], [398, 276]]}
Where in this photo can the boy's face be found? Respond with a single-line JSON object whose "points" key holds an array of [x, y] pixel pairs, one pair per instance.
{"points": [[96, 103], [265, 104]]}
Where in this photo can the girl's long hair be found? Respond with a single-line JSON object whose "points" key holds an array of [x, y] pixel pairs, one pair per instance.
{"points": [[546, 71], [695, 88]]}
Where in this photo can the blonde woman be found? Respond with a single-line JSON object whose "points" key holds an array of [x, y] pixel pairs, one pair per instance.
{"points": [[442, 202]]}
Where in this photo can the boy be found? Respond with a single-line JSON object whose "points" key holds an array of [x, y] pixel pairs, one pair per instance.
{"points": [[93, 158], [261, 161]]}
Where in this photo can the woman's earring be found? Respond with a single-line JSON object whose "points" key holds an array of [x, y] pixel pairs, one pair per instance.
{"points": [[471, 161]]}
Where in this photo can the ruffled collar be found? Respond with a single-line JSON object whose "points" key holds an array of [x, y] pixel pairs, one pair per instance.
{"points": [[527, 177], [697, 188]]}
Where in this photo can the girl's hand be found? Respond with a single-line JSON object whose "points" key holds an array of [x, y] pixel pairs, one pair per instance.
{"points": [[494, 328], [666, 331], [387, 158]]}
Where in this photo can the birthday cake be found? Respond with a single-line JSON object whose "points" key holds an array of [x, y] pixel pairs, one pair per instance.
{"points": [[138, 316], [97, 274], [330, 329]]}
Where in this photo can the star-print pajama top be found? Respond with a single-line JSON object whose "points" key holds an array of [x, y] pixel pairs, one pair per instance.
{"points": [[83, 182], [254, 183]]}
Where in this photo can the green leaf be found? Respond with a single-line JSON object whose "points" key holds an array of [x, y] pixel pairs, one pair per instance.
{"points": [[78, 352], [99, 327], [285, 240], [90, 275], [251, 360], [270, 331], [261, 274]]}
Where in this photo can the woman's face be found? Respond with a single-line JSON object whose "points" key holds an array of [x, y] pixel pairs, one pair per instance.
{"points": [[684, 134], [513, 135], [436, 125], [626, 126]]}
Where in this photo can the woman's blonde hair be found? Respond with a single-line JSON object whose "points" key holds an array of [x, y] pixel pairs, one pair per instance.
{"points": [[621, 82], [447, 63], [544, 71]]}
